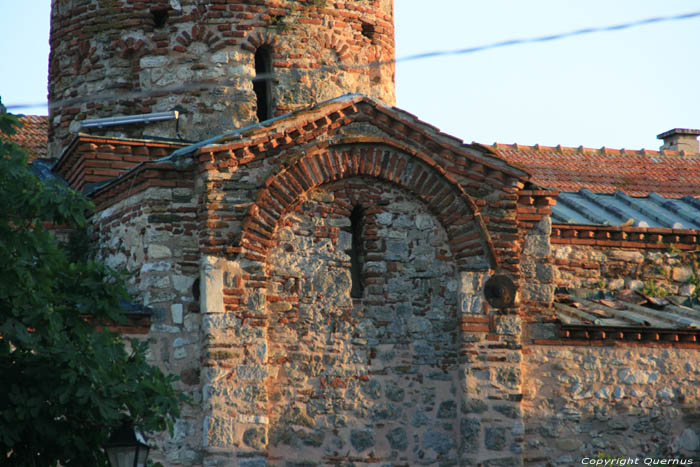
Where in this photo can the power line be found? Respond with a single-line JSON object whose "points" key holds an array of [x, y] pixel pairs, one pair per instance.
{"points": [[201, 86]]}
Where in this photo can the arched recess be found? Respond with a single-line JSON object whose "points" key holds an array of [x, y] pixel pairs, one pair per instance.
{"points": [[374, 376], [445, 198]]}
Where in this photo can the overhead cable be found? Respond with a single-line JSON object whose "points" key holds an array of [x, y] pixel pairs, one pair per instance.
{"points": [[316, 68]]}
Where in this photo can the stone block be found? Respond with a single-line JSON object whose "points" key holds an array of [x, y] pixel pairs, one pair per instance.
{"points": [[632, 376], [396, 250], [447, 409], [362, 440], [509, 325], [537, 246], [255, 438], [495, 438], [568, 444], [681, 273], [689, 441], [470, 432], [438, 441], [424, 222], [397, 438]]}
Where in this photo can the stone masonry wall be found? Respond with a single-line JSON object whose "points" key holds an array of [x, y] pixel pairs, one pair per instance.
{"points": [[657, 271], [111, 58], [153, 236], [373, 379], [628, 401], [274, 371]]}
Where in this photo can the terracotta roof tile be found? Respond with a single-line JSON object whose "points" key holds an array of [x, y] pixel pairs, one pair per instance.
{"points": [[669, 173], [33, 135]]}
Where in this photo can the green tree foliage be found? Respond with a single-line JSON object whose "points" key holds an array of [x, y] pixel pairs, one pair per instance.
{"points": [[65, 381]]}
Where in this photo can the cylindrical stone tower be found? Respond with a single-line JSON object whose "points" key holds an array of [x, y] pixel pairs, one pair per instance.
{"points": [[114, 58]]}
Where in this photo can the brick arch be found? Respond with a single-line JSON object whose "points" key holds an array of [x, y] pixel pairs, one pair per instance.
{"points": [[452, 206], [85, 57], [131, 47], [256, 39], [339, 45], [198, 33]]}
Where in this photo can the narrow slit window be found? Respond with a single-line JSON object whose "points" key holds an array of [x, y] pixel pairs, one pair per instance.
{"points": [[356, 252], [262, 84], [160, 18]]}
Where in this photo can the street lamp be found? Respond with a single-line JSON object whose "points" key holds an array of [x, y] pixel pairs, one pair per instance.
{"points": [[126, 447]]}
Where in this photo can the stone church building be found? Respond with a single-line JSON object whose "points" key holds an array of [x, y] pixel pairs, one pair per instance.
{"points": [[337, 282]]}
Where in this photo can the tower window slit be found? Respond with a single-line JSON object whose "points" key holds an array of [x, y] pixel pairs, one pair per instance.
{"points": [[356, 252], [262, 84], [160, 18]]}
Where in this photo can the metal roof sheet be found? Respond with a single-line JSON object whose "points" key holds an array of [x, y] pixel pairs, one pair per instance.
{"points": [[654, 210]]}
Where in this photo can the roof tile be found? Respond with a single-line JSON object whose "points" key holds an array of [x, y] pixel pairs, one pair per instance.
{"points": [[33, 135], [637, 173]]}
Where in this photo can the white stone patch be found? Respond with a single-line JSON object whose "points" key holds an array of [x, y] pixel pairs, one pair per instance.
{"points": [[220, 57], [256, 419], [176, 313], [164, 328], [153, 62], [159, 251], [160, 266], [116, 261], [391, 233], [182, 284], [155, 282], [211, 285]]}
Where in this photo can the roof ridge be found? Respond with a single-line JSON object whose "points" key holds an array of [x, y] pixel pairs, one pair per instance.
{"points": [[581, 149]]}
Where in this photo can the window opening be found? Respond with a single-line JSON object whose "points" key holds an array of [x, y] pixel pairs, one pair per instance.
{"points": [[160, 18], [368, 31], [355, 252], [262, 84]]}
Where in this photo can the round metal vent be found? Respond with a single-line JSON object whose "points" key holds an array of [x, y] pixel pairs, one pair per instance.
{"points": [[500, 291]]}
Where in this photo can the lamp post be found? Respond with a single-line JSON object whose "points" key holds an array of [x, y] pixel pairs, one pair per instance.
{"points": [[127, 447]]}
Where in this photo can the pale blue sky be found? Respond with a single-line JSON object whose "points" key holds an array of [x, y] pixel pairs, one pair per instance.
{"points": [[615, 89]]}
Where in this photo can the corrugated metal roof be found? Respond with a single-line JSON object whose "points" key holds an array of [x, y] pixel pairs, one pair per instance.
{"points": [[588, 208]]}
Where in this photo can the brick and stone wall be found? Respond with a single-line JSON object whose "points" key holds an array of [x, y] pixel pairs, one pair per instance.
{"points": [[375, 379], [658, 271], [111, 58], [153, 236], [292, 367], [413, 372]]}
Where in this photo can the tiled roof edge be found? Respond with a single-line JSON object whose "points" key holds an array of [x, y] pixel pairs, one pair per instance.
{"points": [[582, 149]]}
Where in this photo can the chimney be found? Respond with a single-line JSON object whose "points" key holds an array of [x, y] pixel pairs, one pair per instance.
{"points": [[680, 139]]}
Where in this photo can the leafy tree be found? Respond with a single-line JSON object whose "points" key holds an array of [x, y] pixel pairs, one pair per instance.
{"points": [[66, 380]]}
